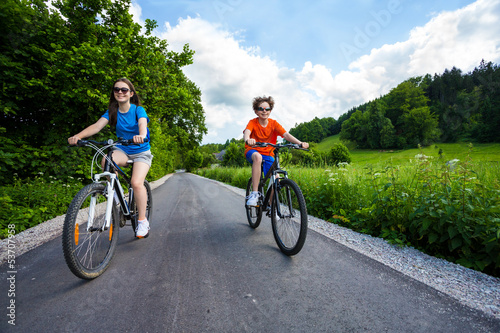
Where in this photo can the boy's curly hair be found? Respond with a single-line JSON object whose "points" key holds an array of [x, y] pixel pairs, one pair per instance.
{"points": [[259, 100]]}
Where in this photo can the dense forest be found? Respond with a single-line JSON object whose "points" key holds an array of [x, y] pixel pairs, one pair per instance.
{"points": [[448, 108], [58, 66]]}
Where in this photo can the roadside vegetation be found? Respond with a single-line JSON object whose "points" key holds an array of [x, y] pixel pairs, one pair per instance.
{"points": [[443, 200]]}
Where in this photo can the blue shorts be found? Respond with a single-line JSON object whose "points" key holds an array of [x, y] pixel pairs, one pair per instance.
{"points": [[267, 161]]}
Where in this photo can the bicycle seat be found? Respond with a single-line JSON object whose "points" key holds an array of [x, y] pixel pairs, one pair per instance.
{"points": [[130, 162]]}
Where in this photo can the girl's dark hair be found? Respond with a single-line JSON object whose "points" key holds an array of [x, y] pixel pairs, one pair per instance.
{"points": [[113, 103], [259, 100]]}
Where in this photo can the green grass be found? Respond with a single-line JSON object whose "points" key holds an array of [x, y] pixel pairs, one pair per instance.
{"points": [[328, 142], [481, 152]]}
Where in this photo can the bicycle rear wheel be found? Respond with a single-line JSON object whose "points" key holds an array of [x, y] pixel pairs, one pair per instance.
{"points": [[87, 249], [254, 214], [290, 220], [149, 206]]}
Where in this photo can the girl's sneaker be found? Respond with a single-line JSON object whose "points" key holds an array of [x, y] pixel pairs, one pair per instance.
{"points": [[142, 230]]}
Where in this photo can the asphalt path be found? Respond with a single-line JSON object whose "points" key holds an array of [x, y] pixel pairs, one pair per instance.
{"points": [[203, 269]]}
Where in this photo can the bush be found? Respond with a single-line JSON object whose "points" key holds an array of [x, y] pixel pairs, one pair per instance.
{"points": [[339, 153], [17, 157], [30, 202]]}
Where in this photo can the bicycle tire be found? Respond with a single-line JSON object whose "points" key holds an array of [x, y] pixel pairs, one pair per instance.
{"points": [[289, 230], [149, 207], [88, 253], [254, 214]]}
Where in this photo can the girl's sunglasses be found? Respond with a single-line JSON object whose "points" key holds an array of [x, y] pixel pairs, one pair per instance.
{"points": [[123, 90], [262, 109]]}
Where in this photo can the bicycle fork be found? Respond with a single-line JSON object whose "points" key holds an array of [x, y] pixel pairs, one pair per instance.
{"points": [[272, 191], [110, 192]]}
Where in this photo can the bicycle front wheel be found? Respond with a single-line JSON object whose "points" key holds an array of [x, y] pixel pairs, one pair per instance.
{"points": [[149, 206], [289, 217], [254, 214], [87, 248]]}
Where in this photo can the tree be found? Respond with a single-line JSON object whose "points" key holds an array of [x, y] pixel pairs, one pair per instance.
{"points": [[314, 130], [406, 96], [355, 128], [328, 125], [420, 126], [194, 160], [376, 124], [56, 75]]}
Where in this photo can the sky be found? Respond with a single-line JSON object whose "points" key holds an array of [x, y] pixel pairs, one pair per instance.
{"points": [[316, 58]]}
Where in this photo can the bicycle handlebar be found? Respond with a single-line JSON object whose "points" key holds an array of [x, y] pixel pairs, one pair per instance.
{"points": [[280, 145], [120, 141]]}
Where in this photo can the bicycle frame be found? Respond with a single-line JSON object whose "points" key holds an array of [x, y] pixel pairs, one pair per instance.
{"points": [[272, 177], [112, 186]]}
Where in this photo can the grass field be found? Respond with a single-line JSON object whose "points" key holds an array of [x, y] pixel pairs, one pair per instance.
{"points": [[487, 152]]}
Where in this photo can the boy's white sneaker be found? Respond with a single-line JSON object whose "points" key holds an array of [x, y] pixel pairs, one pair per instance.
{"points": [[253, 199], [142, 230]]}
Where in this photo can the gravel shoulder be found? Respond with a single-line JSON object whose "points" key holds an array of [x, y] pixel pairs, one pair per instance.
{"points": [[469, 287]]}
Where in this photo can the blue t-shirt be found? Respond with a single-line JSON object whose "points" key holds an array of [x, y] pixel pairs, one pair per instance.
{"points": [[127, 126]]}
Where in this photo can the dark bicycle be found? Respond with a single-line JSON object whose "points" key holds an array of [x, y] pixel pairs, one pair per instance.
{"points": [[283, 202], [94, 217]]}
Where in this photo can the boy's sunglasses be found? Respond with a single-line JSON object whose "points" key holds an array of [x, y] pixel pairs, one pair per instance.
{"points": [[262, 109], [123, 90]]}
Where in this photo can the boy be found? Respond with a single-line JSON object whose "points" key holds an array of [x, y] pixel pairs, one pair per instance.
{"points": [[263, 129]]}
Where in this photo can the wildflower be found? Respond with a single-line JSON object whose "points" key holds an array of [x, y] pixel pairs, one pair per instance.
{"points": [[421, 157]]}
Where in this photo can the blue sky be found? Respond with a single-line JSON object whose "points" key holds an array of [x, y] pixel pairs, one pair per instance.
{"points": [[318, 58]]}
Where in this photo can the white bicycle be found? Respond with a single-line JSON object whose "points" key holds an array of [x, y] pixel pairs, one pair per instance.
{"points": [[94, 218]]}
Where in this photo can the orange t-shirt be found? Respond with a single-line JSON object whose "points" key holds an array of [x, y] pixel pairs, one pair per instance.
{"points": [[264, 134]]}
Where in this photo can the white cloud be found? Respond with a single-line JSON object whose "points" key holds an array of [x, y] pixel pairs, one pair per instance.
{"points": [[230, 75], [460, 38], [136, 11]]}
